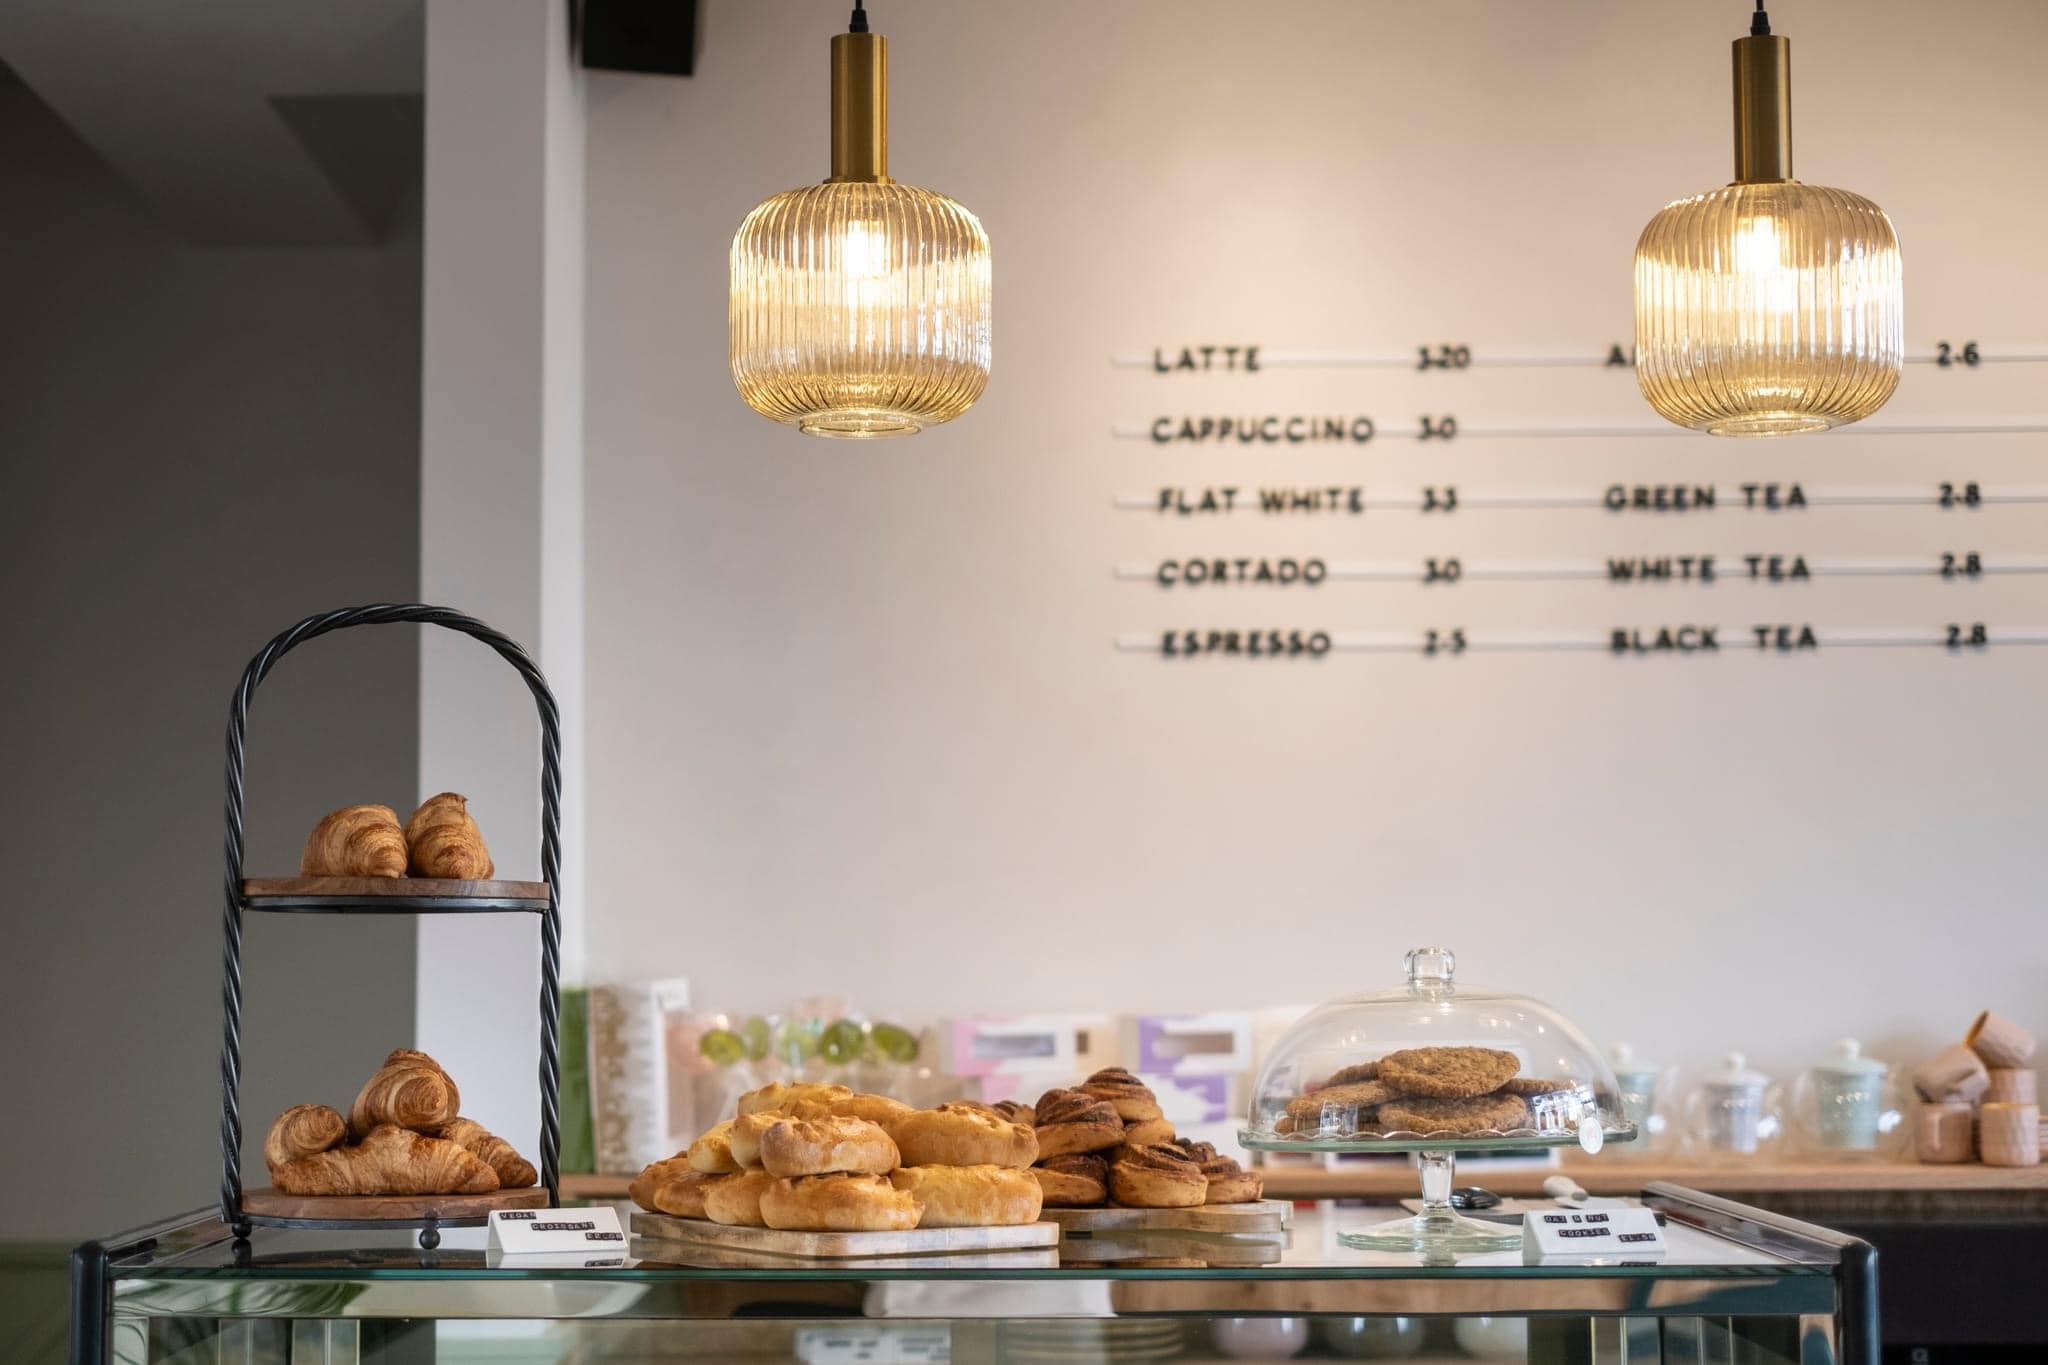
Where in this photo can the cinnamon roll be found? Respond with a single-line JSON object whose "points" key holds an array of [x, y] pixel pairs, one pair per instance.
{"points": [[1073, 1181], [1130, 1096], [1156, 1177], [1069, 1121], [1148, 1132], [1229, 1183]]}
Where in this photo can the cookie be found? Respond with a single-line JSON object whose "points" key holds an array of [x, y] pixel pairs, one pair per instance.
{"points": [[1341, 1103], [1531, 1085], [1471, 1114], [1449, 1073], [1361, 1071]]}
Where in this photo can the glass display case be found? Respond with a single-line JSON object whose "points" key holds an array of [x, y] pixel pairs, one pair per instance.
{"points": [[1435, 1067], [1734, 1283]]}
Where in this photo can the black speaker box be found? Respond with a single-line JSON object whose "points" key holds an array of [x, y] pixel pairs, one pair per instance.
{"points": [[657, 37]]}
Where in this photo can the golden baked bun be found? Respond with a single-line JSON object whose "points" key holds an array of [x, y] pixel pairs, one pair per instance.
{"points": [[877, 1109], [1130, 1097], [964, 1135], [782, 1094], [641, 1191], [971, 1196], [712, 1151], [1148, 1132], [744, 1136], [839, 1203], [683, 1194], [1069, 1121], [1009, 1110], [1073, 1181], [826, 1145], [735, 1200], [1156, 1178]]}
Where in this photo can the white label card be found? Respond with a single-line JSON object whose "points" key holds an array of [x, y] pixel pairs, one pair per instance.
{"points": [[591, 1230], [1620, 1234], [862, 1344]]}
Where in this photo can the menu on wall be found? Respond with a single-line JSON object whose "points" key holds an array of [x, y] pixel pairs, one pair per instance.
{"points": [[1320, 599]]}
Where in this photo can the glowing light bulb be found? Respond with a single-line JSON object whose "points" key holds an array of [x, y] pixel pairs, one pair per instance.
{"points": [[860, 307], [1768, 307]]}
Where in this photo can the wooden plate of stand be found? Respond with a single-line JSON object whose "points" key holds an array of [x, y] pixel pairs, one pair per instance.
{"points": [[698, 1232], [392, 1209], [1259, 1215], [390, 895]]}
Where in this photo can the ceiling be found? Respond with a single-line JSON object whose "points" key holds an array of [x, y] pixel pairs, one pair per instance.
{"points": [[241, 122]]}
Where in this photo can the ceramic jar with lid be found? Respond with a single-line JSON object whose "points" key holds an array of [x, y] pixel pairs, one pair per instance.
{"points": [[1640, 1087], [1726, 1114], [1845, 1103]]}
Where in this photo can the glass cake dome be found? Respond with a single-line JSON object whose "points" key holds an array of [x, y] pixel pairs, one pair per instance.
{"points": [[1434, 1067]]}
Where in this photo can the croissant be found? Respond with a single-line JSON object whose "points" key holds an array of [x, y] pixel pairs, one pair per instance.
{"points": [[300, 1131], [410, 1090], [355, 841], [444, 840], [515, 1172], [390, 1160]]}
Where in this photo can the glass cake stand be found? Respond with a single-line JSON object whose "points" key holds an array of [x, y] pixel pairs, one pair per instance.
{"points": [[1478, 1070]]}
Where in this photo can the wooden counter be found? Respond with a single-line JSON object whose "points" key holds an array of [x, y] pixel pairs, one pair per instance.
{"points": [[1847, 1189]]}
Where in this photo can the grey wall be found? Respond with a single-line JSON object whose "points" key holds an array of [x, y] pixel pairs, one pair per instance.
{"points": [[197, 447]]}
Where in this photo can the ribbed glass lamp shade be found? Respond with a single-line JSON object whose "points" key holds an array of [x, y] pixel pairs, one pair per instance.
{"points": [[860, 308], [1764, 309]]}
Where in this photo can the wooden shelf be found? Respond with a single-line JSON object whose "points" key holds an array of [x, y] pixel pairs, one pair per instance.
{"points": [[381, 1210], [391, 896], [1874, 1186]]}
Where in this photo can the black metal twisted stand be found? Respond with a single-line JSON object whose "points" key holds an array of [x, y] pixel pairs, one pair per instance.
{"points": [[231, 1210]]}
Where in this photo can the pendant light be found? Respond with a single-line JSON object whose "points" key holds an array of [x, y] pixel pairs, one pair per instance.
{"points": [[860, 307], [1768, 307]]}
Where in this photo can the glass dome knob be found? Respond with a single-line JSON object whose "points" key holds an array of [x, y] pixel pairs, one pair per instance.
{"points": [[1431, 966]]}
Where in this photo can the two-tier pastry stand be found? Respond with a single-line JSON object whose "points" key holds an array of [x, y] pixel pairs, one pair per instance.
{"points": [[241, 1208]]}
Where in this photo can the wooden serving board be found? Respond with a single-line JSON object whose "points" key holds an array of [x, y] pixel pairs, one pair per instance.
{"points": [[418, 888], [388, 1208], [662, 1227], [1260, 1215]]}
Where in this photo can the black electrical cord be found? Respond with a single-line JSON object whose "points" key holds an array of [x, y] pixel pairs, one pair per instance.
{"points": [[1760, 23], [859, 23]]}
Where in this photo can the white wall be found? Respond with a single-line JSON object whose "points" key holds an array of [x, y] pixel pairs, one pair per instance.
{"points": [[856, 723], [501, 513]]}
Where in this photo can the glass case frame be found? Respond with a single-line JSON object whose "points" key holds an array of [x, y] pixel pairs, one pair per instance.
{"points": [[1782, 1289]]}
